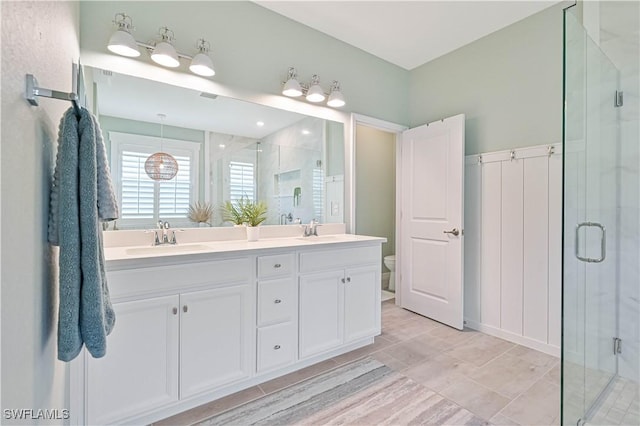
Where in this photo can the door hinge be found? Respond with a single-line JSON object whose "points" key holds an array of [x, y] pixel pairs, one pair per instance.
{"points": [[617, 345], [619, 99]]}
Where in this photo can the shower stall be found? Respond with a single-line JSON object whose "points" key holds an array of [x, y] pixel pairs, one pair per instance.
{"points": [[600, 344]]}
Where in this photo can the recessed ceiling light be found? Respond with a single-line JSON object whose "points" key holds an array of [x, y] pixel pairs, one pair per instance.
{"points": [[306, 132], [222, 146], [260, 123]]}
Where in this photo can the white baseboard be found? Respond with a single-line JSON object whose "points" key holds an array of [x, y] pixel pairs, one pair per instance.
{"points": [[515, 338]]}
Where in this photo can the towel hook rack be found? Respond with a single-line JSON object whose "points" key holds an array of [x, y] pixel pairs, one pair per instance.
{"points": [[33, 91]]}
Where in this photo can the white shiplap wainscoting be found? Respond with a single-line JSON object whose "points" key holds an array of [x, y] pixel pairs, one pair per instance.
{"points": [[513, 243]]}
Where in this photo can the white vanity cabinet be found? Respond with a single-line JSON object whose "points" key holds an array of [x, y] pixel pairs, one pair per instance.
{"points": [[166, 349], [340, 304], [215, 338], [140, 371], [193, 328], [277, 337]]}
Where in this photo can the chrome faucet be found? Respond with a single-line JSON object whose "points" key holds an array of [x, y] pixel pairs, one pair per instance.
{"points": [[164, 226], [311, 228]]}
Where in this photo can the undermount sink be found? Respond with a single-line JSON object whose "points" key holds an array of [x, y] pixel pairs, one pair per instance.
{"points": [[168, 249], [317, 239]]}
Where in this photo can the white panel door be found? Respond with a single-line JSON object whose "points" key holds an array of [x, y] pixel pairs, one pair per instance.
{"points": [[491, 240], [512, 246], [361, 302], [431, 221], [140, 370], [472, 240], [536, 248], [216, 331], [320, 312]]}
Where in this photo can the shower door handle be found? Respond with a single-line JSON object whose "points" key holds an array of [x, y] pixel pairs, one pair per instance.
{"points": [[603, 242]]}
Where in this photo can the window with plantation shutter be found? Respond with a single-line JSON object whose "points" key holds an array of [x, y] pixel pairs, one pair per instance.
{"points": [[241, 181], [138, 190], [142, 200], [318, 194]]}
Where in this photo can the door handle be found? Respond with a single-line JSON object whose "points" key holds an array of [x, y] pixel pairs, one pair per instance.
{"points": [[454, 231], [603, 242]]}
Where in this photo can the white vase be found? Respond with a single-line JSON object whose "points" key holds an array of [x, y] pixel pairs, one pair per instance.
{"points": [[253, 233]]}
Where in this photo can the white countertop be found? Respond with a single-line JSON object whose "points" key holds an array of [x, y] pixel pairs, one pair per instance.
{"points": [[177, 252]]}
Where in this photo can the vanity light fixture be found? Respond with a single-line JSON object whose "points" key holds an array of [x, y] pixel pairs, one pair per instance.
{"points": [[161, 166], [162, 52], [292, 87], [336, 99], [313, 92], [201, 64]]}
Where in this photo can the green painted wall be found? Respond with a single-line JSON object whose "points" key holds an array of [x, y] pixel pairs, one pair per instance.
{"points": [[376, 185], [252, 48], [509, 85]]}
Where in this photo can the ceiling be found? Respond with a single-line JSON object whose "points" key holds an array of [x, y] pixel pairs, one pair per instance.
{"points": [[407, 33], [145, 99]]}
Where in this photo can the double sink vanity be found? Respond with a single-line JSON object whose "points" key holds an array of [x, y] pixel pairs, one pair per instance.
{"points": [[215, 314]]}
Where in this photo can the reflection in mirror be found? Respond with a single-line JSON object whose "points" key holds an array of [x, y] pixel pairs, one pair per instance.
{"points": [[226, 149]]}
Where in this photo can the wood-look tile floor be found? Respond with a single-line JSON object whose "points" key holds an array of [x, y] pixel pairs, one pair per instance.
{"points": [[504, 383]]}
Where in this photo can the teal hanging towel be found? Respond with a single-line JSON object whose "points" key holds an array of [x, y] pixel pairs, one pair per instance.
{"points": [[82, 196]]}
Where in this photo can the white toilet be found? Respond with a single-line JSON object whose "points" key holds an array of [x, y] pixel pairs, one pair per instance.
{"points": [[390, 263]]}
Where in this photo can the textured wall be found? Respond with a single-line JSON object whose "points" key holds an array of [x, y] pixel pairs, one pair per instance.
{"points": [[39, 38]]}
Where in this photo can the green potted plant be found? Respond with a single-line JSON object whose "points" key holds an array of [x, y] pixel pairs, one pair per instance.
{"points": [[233, 212], [254, 214], [201, 213]]}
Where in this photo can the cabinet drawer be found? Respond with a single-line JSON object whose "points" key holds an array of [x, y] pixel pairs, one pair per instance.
{"points": [[276, 346], [276, 301], [144, 281], [277, 265], [317, 261]]}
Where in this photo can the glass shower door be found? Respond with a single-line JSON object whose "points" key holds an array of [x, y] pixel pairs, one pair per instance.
{"points": [[591, 193]]}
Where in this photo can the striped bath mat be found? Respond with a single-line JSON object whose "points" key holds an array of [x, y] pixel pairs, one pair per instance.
{"points": [[365, 392]]}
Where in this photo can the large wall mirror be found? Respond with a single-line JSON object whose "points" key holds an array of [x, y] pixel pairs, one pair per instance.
{"points": [[226, 149]]}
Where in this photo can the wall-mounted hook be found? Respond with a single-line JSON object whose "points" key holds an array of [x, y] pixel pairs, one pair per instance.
{"points": [[479, 159], [513, 155], [551, 150]]}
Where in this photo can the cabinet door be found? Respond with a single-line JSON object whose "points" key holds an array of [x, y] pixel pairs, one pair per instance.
{"points": [[320, 312], [139, 373], [215, 338], [361, 303]]}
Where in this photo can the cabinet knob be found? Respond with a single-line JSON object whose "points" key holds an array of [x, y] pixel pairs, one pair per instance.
{"points": [[185, 308], [342, 280], [277, 265], [175, 311], [276, 347], [348, 279], [277, 301]]}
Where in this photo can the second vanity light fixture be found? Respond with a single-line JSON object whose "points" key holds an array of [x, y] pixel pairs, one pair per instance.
{"points": [[313, 92], [162, 51]]}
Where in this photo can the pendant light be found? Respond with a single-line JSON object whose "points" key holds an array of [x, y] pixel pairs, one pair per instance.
{"points": [[161, 166]]}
